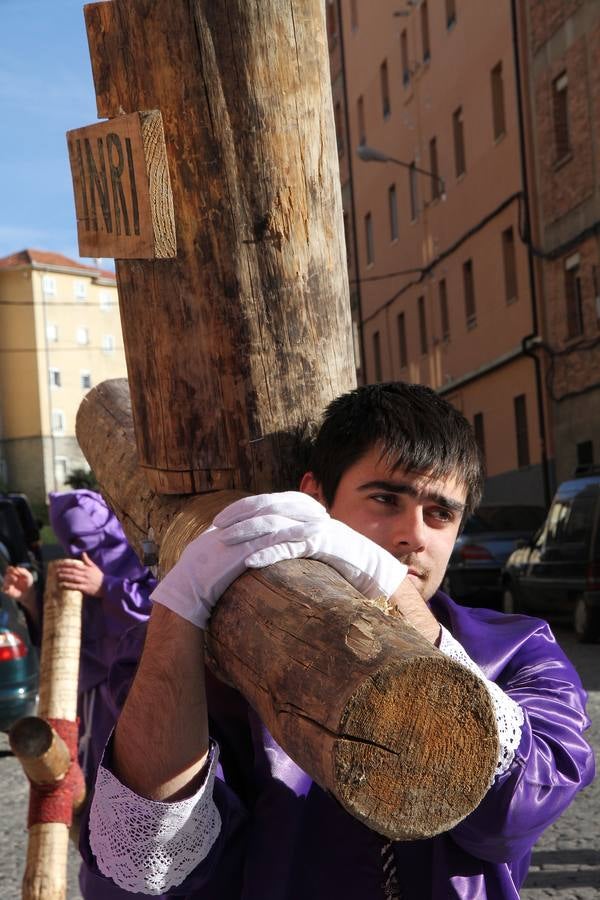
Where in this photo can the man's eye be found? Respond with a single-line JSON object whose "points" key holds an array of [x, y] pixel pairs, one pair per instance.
{"points": [[388, 499], [443, 515]]}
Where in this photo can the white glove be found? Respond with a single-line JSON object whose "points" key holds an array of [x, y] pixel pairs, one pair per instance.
{"points": [[367, 566], [289, 525], [291, 504], [203, 572]]}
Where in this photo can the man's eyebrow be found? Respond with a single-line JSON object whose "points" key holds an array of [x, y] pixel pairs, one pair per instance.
{"points": [[400, 487]]}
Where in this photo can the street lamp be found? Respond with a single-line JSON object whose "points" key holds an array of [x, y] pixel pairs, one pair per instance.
{"points": [[371, 154]]}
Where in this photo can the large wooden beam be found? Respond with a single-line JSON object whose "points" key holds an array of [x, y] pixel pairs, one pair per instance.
{"points": [[246, 333], [402, 736]]}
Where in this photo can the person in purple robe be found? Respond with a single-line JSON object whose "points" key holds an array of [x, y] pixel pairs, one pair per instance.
{"points": [[116, 589], [194, 799]]}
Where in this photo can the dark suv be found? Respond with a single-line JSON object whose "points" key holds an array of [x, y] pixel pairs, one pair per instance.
{"points": [[557, 573]]}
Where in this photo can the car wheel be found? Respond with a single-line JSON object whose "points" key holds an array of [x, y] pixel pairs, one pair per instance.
{"points": [[585, 624], [509, 600]]}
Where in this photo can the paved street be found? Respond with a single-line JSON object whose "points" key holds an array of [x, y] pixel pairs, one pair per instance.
{"points": [[566, 861]]}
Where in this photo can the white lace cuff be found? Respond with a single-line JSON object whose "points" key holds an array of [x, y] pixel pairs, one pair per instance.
{"points": [[509, 715], [146, 846]]}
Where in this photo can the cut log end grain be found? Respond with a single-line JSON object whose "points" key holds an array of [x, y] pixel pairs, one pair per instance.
{"points": [[413, 742]]}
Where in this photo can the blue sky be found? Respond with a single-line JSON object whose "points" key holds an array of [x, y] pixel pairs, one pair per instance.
{"points": [[46, 88]]}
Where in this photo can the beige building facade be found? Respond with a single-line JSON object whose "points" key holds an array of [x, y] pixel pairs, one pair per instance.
{"points": [[440, 273], [60, 334]]}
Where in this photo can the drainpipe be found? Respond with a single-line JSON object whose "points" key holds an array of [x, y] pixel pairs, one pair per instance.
{"points": [[361, 337], [529, 341]]}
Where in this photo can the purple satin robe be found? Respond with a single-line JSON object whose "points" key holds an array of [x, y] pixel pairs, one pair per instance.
{"points": [[283, 838], [82, 522]]}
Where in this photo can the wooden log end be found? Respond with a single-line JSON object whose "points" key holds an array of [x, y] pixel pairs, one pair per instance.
{"points": [[424, 756], [40, 750], [30, 737]]}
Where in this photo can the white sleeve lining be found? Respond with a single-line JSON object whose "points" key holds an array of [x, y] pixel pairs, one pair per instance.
{"points": [[146, 846], [509, 715]]}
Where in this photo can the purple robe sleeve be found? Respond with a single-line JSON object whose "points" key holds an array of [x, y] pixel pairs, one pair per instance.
{"points": [[553, 760], [126, 601]]}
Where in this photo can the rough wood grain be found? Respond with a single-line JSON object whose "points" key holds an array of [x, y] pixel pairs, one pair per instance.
{"points": [[45, 876], [247, 332], [402, 736], [122, 188]]}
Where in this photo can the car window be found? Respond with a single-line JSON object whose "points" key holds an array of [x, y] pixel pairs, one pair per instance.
{"points": [[557, 520], [578, 528]]}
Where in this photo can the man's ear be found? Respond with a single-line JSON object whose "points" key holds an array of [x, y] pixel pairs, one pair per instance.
{"points": [[309, 485]]}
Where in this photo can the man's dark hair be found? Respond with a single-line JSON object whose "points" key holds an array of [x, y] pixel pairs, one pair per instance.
{"points": [[416, 429]]}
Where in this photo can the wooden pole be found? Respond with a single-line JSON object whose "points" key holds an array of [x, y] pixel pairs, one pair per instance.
{"points": [[246, 332], [402, 736], [45, 757]]}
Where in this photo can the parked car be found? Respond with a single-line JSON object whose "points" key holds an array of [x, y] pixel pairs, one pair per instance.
{"points": [[485, 543], [557, 573], [19, 666], [30, 526]]}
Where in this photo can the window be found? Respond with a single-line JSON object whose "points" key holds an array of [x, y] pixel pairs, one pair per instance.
{"points": [[573, 297], [404, 58], [422, 325], [433, 168], [49, 286], [108, 344], [82, 336], [106, 300], [479, 432], [85, 379], [498, 102], [356, 342], [377, 356], [596, 284], [360, 113], [369, 239], [52, 333], [444, 316], [385, 89], [510, 265], [58, 421], [585, 453], [413, 190], [54, 376], [450, 13], [80, 290], [339, 129], [402, 347], [331, 20], [347, 238], [354, 14], [393, 208], [560, 105], [459, 142], [521, 431], [61, 469], [469, 289], [425, 32]]}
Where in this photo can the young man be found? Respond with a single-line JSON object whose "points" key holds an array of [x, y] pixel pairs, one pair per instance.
{"points": [[394, 471]]}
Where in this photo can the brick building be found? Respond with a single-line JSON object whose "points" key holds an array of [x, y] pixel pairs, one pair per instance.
{"points": [[440, 276], [560, 49]]}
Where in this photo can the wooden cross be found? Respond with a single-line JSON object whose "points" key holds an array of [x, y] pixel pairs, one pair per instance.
{"points": [[234, 335]]}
